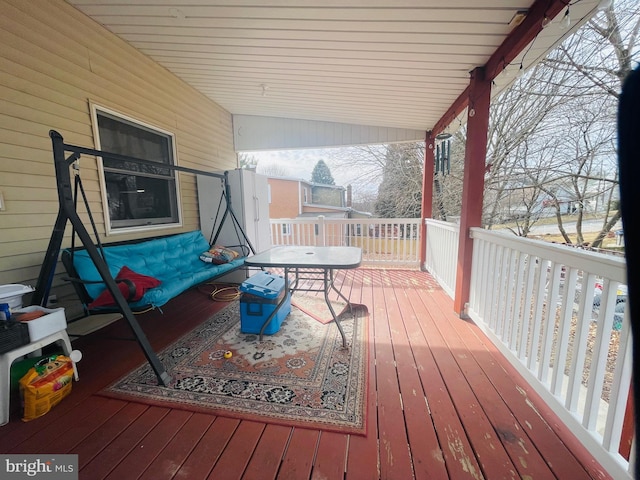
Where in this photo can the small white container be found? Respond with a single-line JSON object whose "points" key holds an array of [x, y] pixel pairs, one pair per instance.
{"points": [[12, 294], [54, 321]]}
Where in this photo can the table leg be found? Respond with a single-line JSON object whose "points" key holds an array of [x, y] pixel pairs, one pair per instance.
{"points": [[339, 292], [328, 285], [277, 307]]}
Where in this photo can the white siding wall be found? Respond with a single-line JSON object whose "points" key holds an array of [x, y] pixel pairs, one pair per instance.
{"points": [[54, 61]]}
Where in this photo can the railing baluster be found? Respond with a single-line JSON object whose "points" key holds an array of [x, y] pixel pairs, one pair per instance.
{"points": [[518, 312], [600, 353], [491, 285], [509, 291], [502, 291], [580, 342], [619, 391], [541, 294], [476, 270], [562, 342], [548, 325], [531, 308]]}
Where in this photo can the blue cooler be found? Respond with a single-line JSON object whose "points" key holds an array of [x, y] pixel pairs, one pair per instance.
{"points": [[261, 294]]}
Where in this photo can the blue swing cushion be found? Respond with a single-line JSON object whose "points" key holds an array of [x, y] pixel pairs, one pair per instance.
{"points": [[173, 260]]}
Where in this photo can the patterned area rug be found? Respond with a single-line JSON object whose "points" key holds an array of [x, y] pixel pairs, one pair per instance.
{"points": [[300, 376], [316, 307]]}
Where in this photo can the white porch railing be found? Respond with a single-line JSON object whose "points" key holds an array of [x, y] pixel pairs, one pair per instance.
{"points": [[558, 314], [392, 242], [442, 253]]}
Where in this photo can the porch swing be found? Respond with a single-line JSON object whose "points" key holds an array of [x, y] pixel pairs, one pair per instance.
{"points": [[67, 211]]}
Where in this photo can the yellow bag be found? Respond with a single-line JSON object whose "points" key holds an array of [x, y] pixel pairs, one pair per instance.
{"points": [[45, 385]]}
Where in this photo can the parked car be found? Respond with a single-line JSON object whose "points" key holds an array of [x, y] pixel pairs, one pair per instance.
{"points": [[621, 303]]}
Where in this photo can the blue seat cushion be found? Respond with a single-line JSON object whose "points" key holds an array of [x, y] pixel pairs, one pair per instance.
{"points": [[174, 260]]}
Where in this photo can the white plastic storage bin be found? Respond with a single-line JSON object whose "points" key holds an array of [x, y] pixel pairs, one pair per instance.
{"points": [[54, 321], [12, 294]]}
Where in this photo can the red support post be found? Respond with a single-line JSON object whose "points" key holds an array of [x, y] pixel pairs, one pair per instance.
{"points": [[427, 194], [473, 183]]}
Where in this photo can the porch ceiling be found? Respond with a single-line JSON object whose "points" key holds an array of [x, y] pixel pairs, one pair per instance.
{"points": [[389, 63]]}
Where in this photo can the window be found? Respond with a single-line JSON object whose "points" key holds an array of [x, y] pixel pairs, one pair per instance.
{"points": [[286, 229], [137, 195]]}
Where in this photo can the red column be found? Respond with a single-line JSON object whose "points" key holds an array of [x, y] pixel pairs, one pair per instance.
{"points": [[473, 183], [427, 194]]}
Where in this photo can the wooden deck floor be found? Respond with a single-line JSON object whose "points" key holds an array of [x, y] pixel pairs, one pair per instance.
{"points": [[443, 403]]}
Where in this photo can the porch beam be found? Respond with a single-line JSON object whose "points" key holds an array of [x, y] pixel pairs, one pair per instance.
{"points": [[473, 182], [516, 42], [427, 194]]}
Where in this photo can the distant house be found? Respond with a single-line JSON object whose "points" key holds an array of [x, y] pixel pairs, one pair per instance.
{"points": [[293, 198], [302, 202]]}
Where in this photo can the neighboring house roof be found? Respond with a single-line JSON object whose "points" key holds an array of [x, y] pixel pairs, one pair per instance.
{"points": [[311, 184], [337, 214], [358, 214], [291, 179], [328, 207], [351, 213]]}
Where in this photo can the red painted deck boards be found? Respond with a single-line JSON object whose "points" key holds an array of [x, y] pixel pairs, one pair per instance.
{"points": [[146, 451], [362, 458], [395, 459], [111, 456], [91, 446], [331, 457], [299, 455], [267, 456], [443, 403], [234, 459], [423, 441], [206, 454], [520, 399], [179, 448]]}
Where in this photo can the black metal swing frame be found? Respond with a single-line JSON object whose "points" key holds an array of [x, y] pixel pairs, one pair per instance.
{"points": [[67, 212]]}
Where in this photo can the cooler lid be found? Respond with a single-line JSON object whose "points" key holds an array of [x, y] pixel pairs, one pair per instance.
{"points": [[263, 284]]}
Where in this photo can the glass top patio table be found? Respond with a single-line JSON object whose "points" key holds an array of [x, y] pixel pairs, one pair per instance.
{"points": [[308, 257], [323, 260]]}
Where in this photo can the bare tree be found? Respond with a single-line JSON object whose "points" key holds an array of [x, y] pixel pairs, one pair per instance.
{"points": [[273, 170], [551, 142], [518, 117], [367, 160], [400, 192], [600, 55], [248, 161]]}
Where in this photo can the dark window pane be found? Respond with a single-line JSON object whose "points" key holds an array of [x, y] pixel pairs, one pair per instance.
{"points": [[134, 197], [123, 138], [137, 194]]}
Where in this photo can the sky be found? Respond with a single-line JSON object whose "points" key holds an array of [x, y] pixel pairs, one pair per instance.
{"points": [[300, 163]]}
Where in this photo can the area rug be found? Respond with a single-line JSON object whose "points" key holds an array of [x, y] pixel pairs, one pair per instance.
{"points": [[301, 376], [316, 307]]}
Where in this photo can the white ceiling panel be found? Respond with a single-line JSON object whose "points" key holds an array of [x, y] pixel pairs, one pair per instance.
{"points": [[388, 63]]}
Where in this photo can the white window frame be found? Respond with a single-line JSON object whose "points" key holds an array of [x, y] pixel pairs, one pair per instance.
{"points": [[109, 229], [286, 229]]}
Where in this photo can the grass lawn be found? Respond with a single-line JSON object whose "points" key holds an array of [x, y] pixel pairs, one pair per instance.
{"points": [[608, 243]]}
